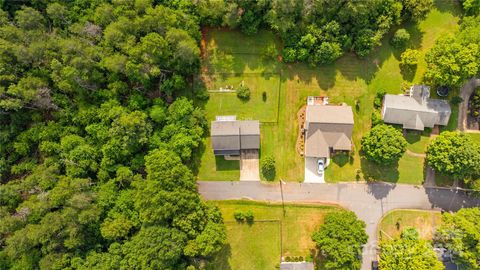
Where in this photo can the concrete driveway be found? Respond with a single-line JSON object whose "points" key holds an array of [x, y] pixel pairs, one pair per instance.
{"points": [[311, 175], [249, 165], [369, 201]]}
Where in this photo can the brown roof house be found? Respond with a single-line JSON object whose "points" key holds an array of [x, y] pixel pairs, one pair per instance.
{"points": [[328, 128], [415, 110], [229, 136]]}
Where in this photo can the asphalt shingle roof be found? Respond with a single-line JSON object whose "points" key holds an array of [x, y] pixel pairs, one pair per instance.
{"points": [[328, 127], [235, 135]]}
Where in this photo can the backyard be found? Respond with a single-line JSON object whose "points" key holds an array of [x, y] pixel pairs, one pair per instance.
{"points": [[349, 80], [393, 223], [271, 235]]}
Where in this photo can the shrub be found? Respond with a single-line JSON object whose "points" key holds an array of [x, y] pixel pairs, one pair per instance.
{"points": [[457, 100], [376, 118], [243, 92], [400, 38], [249, 216], [289, 55], [409, 58], [384, 144], [239, 216], [474, 104], [270, 52], [377, 103], [268, 167], [264, 96]]}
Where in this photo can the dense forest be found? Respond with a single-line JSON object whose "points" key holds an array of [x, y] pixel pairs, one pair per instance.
{"points": [[94, 141], [97, 140]]}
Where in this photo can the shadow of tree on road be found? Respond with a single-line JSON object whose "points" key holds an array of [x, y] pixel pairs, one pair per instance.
{"points": [[452, 199], [379, 190]]}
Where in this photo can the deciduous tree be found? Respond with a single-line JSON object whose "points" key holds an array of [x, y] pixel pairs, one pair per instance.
{"points": [[454, 154], [460, 233], [384, 144], [408, 252], [340, 240]]}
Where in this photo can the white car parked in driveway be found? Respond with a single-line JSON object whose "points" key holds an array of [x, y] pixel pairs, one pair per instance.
{"points": [[321, 166]]}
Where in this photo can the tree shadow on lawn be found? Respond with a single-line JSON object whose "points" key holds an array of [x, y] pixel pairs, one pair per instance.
{"points": [[341, 159], [452, 7], [221, 260], [416, 35], [226, 165], [413, 137], [408, 73], [350, 66], [373, 172]]}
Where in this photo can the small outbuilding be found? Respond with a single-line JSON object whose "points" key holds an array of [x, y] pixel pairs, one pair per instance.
{"points": [[230, 136], [416, 110]]}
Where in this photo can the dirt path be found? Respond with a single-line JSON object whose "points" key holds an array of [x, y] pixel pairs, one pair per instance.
{"points": [[413, 154], [465, 93]]}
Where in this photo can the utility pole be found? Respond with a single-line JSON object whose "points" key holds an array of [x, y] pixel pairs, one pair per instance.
{"points": [[281, 192]]}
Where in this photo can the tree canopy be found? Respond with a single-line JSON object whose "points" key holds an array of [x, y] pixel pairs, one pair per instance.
{"points": [[96, 138], [318, 32], [454, 154], [384, 144], [454, 59], [340, 240], [459, 232], [408, 252]]}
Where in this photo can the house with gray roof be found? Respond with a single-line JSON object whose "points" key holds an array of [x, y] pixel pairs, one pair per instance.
{"points": [[328, 128], [415, 110], [229, 136], [296, 266]]}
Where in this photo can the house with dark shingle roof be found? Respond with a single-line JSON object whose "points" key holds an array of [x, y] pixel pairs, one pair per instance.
{"points": [[230, 136], [416, 110], [328, 128]]}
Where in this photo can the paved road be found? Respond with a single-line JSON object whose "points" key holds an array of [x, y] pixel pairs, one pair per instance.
{"points": [[369, 201], [465, 93]]}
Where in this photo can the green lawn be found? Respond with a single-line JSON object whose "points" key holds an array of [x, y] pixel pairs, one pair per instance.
{"points": [[348, 80], [395, 221], [417, 141], [257, 246], [409, 170], [475, 137], [257, 108], [217, 168]]}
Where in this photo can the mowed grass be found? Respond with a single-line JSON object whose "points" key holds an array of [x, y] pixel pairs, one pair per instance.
{"points": [[256, 108], [257, 246], [393, 223], [475, 137], [216, 168], [417, 141], [349, 80]]}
